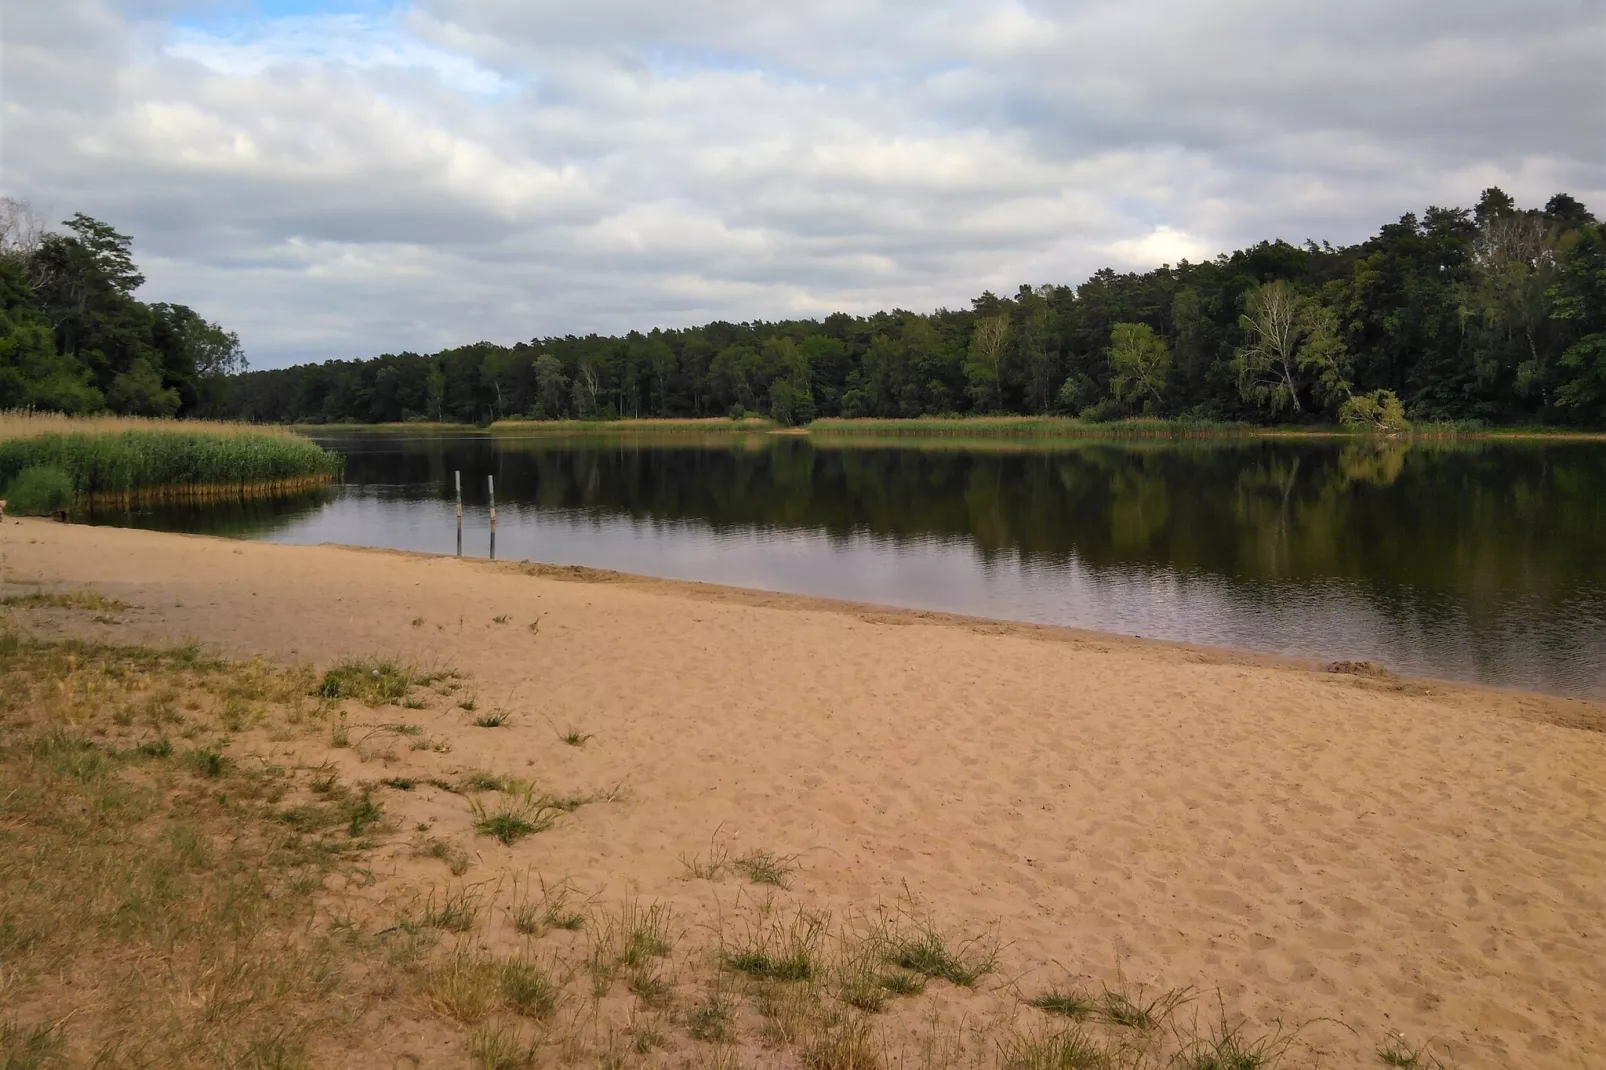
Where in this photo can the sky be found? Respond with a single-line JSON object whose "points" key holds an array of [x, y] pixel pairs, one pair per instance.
{"points": [[340, 178]]}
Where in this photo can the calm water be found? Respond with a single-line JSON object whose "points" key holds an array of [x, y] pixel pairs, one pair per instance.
{"points": [[1481, 562]]}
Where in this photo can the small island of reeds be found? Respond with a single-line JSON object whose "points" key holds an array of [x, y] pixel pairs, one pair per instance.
{"points": [[51, 463]]}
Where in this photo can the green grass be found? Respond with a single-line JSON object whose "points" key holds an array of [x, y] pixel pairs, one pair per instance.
{"points": [[206, 762], [759, 866], [456, 859], [501, 1047], [517, 815], [86, 600], [39, 490], [479, 780], [528, 989], [494, 719], [710, 1021], [776, 948], [1062, 1049], [766, 867], [1066, 1004], [916, 945], [372, 682], [552, 910], [147, 462], [456, 912], [1398, 1053]]}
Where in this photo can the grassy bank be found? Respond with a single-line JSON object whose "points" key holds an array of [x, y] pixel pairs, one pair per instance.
{"points": [[648, 425], [1031, 427], [1051, 427], [50, 462]]}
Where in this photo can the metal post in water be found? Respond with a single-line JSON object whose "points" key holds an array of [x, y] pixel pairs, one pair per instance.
{"points": [[490, 487], [459, 475]]}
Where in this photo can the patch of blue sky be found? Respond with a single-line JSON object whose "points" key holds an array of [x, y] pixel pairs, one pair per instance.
{"points": [[362, 37], [224, 13]]}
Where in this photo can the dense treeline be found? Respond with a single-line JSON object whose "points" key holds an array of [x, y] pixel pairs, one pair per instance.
{"points": [[74, 339], [1494, 314]]}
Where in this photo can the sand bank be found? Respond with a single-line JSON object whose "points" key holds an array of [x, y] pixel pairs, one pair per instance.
{"points": [[1387, 854]]}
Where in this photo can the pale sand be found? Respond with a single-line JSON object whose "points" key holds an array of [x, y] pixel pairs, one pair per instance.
{"points": [[1386, 854]]}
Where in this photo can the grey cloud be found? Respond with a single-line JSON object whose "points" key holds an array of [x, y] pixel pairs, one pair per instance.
{"points": [[502, 168]]}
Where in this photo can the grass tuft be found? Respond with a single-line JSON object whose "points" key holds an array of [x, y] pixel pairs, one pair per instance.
{"points": [[916, 945], [500, 1047], [456, 859], [1399, 1053], [1065, 1003], [552, 910], [528, 989], [206, 762], [1069, 1048], [1135, 1007], [842, 1045], [516, 816], [373, 683], [710, 1021], [780, 949], [457, 912], [766, 867]]}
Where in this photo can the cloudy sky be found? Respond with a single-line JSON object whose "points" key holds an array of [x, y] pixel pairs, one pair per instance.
{"points": [[343, 177]]}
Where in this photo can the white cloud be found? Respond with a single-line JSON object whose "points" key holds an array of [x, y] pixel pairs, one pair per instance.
{"points": [[345, 184]]}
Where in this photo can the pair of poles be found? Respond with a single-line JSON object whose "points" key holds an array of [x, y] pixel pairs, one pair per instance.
{"points": [[490, 488]]}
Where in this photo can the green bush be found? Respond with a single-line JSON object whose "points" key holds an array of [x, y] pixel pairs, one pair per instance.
{"points": [[1103, 412], [39, 490]]}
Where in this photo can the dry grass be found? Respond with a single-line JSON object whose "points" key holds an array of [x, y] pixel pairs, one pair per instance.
{"points": [[156, 907], [26, 423]]}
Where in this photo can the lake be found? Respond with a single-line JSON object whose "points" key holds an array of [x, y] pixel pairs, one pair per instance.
{"points": [[1481, 561]]}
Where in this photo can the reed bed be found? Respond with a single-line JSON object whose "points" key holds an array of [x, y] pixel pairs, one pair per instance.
{"points": [[642, 425], [109, 460], [1063, 427], [27, 423], [1034, 427]]}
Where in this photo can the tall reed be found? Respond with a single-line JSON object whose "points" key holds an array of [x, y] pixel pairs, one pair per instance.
{"points": [[117, 459], [1033, 427]]}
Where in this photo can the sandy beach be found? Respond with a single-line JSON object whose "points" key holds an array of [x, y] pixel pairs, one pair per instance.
{"points": [[1365, 853]]}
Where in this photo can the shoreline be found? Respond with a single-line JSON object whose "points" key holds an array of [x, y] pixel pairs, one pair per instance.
{"points": [[1380, 854], [1573, 710], [1085, 638], [1024, 429]]}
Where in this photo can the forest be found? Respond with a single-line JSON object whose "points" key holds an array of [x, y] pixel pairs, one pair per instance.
{"points": [[74, 339], [1485, 316]]}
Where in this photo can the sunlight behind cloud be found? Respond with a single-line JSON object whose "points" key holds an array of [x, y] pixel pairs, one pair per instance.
{"points": [[1162, 245]]}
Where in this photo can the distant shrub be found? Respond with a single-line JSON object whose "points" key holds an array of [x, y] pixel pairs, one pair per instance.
{"points": [[39, 490], [1103, 412], [1380, 410]]}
